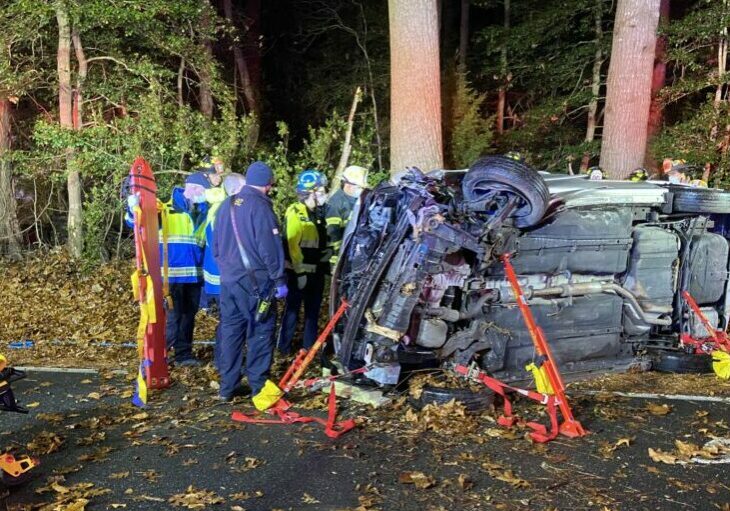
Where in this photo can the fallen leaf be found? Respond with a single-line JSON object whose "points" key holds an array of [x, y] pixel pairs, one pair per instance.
{"points": [[308, 499], [94, 395], [34, 404], [662, 457], [419, 479], [465, 482], [656, 409]]}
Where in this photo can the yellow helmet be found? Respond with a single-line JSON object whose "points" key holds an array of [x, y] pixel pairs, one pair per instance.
{"points": [[3, 362], [356, 175]]}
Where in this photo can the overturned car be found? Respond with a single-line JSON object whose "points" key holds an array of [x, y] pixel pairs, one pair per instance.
{"points": [[602, 263]]}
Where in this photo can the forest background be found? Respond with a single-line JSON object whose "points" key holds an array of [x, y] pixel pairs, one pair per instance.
{"points": [[87, 85]]}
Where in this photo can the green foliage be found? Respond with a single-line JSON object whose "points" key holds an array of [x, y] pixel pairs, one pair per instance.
{"points": [[469, 132], [695, 127]]}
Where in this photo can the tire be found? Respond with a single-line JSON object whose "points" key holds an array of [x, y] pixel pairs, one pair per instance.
{"points": [[669, 361], [501, 173], [700, 200], [472, 401]]}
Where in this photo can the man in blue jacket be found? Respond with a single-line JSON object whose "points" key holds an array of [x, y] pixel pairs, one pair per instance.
{"points": [[248, 248]]}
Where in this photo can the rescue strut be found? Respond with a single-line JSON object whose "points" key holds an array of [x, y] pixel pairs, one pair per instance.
{"points": [[279, 408], [553, 389], [716, 344]]}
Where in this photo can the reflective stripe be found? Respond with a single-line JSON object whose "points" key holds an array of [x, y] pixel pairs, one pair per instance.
{"points": [[306, 268], [185, 271], [182, 238], [334, 220], [309, 243], [212, 278]]}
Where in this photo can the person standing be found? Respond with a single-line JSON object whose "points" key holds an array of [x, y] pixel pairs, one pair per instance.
{"points": [[183, 232], [340, 205], [307, 259], [232, 184], [248, 249]]}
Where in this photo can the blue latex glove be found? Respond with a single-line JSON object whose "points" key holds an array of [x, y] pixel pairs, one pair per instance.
{"points": [[281, 292]]}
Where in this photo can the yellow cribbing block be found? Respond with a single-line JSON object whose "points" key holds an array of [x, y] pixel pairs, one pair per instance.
{"points": [[542, 383], [721, 364], [268, 396]]}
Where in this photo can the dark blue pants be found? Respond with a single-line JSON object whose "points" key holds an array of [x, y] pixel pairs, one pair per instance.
{"points": [[180, 321], [311, 295], [237, 327]]}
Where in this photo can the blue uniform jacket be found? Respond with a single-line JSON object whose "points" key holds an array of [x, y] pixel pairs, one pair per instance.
{"points": [[260, 236]]}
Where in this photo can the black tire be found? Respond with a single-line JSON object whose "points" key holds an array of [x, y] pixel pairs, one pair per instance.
{"points": [[700, 200], [472, 401], [501, 173], [669, 361]]}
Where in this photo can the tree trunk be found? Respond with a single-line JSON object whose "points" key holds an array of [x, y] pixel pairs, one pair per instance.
{"points": [[180, 77], [206, 95], [659, 76], [65, 110], [415, 85], [347, 144], [502, 96], [83, 70], [628, 88], [596, 80], [250, 92], [9, 229], [463, 34], [252, 46]]}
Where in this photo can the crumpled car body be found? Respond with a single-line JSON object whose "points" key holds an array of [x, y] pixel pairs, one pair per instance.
{"points": [[602, 264]]}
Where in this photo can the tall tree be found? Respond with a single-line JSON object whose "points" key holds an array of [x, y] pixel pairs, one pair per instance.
{"points": [[65, 110], [248, 86], [628, 93], [463, 34], [660, 73], [9, 230], [505, 77], [204, 72], [415, 85]]}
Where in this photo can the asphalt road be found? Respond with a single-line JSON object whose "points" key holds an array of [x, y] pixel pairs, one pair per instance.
{"points": [[113, 456]]}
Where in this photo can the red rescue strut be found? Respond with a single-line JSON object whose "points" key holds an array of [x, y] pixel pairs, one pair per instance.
{"points": [[570, 427], [281, 410]]}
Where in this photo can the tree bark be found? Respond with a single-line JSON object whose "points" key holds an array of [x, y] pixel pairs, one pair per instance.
{"points": [[628, 88], [205, 93], [415, 85], [659, 76], [502, 95], [180, 77], [347, 144], [65, 109], [463, 34], [596, 79], [83, 70], [250, 92], [9, 228]]}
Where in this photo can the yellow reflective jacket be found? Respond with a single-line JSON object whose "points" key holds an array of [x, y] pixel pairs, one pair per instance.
{"points": [[306, 239]]}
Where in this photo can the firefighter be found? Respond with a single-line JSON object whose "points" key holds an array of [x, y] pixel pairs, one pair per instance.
{"points": [[307, 258], [340, 205], [248, 249]]}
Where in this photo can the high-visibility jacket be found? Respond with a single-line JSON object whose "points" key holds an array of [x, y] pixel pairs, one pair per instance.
{"points": [[306, 239], [211, 273], [339, 210], [184, 233]]}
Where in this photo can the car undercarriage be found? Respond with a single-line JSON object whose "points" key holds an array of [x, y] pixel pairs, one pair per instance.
{"points": [[603, 265]]}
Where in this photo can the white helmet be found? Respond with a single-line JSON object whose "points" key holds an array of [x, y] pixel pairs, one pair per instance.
{"points": [[355, 175]]}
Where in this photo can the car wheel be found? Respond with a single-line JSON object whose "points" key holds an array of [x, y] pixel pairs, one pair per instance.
{"points": [[473, 401], [669, 361], [700, 200], [499, 173]]}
